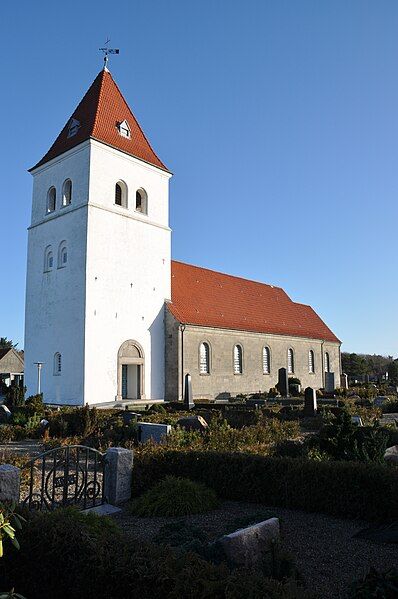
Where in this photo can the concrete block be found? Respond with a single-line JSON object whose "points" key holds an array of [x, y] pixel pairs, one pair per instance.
{"points": [[10, 480], [118, 475]]}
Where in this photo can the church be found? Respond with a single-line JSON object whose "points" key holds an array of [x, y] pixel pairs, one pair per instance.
{"points": [[109, 316]]}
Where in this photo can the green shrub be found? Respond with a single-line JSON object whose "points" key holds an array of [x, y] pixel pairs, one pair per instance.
{"points": [[35, 405], [69, 555], [6, 433], [346, 489], [15, 396], [175, 496], [19, 416], [381, 585]]}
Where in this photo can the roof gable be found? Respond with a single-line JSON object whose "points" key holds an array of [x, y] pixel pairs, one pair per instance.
{"points": [[208, 298], [98, 116]]}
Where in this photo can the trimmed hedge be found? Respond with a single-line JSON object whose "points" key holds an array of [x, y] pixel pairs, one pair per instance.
{"points": [[346, 489]]}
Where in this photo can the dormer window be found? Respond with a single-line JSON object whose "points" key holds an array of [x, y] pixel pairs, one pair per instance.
{"points": [[74, 127], [124, 129]]}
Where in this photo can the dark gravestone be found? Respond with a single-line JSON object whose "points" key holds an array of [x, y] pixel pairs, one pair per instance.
{"points": [[329, 382], [310, 406], [283, 382], [344, 381], [367, 378], [188, 397]]}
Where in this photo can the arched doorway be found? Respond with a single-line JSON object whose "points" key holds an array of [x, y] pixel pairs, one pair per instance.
{"points": [[130, 371]]}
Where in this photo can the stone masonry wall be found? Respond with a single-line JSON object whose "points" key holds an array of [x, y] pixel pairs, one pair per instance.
{"points": [[222, 381]]}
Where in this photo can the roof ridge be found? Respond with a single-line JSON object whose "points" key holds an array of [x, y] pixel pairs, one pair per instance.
{"points": [[225, 274], [135, 119]]}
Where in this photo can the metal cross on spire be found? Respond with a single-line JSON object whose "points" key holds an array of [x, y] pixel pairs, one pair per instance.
{"points": [[108, 51]]}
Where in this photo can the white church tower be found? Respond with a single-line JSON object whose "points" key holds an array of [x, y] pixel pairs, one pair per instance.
{"points": [[98, 271]]}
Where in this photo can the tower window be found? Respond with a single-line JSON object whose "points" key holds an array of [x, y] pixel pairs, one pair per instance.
{"points": [[48, 259], [67, 192], [57, 363], [238, 362], [290, 361], [51, 199], [311, 362], [124, 129], [204, 358], [327, 362], [62, 254], [141, 201], [266, 360], [121, 194], [74, 126]]}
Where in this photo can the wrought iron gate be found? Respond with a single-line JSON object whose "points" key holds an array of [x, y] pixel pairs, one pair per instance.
{"points": [[71, 475]]}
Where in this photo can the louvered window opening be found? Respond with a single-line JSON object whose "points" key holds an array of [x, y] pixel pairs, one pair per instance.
{"points": [[327, 362], [311, 362], [118, 194]]}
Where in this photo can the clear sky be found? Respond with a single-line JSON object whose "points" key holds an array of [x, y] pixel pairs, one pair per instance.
{"points": [[278, 118]]}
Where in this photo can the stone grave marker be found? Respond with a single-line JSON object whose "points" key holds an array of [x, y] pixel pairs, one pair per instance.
{"points": [[156, 432], [188, 396], [310, 405], [329, 382], [283, 382], [5, 414], [344, 381]]}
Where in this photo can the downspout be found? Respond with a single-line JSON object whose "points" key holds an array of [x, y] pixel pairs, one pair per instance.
{"points": [[182, 329], [322, 365]]}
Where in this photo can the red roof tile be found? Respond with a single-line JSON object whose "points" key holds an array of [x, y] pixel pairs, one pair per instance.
{"points": [[99, 113], [212, 299]]}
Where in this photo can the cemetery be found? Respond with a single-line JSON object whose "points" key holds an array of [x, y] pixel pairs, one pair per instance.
{"points": [[271, 492]]}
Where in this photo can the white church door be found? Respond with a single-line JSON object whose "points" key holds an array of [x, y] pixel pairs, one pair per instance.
{"points": [[130, 369]]}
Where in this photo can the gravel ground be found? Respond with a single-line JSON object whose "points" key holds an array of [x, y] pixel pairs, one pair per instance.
{"points": [[327, 555]]}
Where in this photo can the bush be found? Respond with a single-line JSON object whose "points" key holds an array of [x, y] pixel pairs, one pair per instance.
{"points": [[175, 497], [6, 433], [35, 405], [77, 555], [346, 489], [15, 397], [382, 585]]}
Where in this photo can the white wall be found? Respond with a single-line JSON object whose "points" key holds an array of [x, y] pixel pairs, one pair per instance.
{"points": [[128, 272], [54, 320], [114, 285]]}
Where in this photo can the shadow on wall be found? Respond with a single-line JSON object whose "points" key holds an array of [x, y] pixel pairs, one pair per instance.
{"points": [[156, 331]]}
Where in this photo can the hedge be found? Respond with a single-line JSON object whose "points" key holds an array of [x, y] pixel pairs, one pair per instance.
{"points": [[346, 489]]}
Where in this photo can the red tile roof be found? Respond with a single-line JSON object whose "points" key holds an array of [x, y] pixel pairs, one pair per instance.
{"points": [[99, 113], [212, 299]]}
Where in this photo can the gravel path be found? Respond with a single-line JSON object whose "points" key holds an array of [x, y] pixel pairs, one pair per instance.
{"points": [[327, 555]]}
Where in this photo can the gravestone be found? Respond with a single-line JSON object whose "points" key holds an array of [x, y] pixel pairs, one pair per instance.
{"points": [[188, 397], [367, 378], [310, 405], [193, 423], [129, 417], [391, 454], [247, 547], [5, 414], [380, 400], [156, 432], [10, 478], [329, 382], [344, 381], [118, 475], [283, 382], [357, 420]]}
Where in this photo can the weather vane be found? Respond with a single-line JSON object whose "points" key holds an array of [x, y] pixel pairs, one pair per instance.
{"points": [[108, 51]]}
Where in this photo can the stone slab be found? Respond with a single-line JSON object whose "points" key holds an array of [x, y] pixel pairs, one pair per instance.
{"points": [[10, 478], [118, 475], [156, 432], [106, 509], [246, 546]]}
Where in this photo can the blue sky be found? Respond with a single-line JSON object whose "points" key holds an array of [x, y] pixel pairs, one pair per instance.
{"points": [[278, 118]]}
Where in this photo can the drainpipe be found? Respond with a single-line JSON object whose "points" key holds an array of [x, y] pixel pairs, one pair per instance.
{"points": [[322, 365], [182, 329]]}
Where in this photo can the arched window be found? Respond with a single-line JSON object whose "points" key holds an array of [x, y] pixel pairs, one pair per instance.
{"points": [[141, 201], [121, 194], [311, 362], [48, 259], [62, 254], [327, 362], [266, 360], [204, 358], [67, 193], [290, 361], [238, 362], [51, 199], [57, 363]]}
